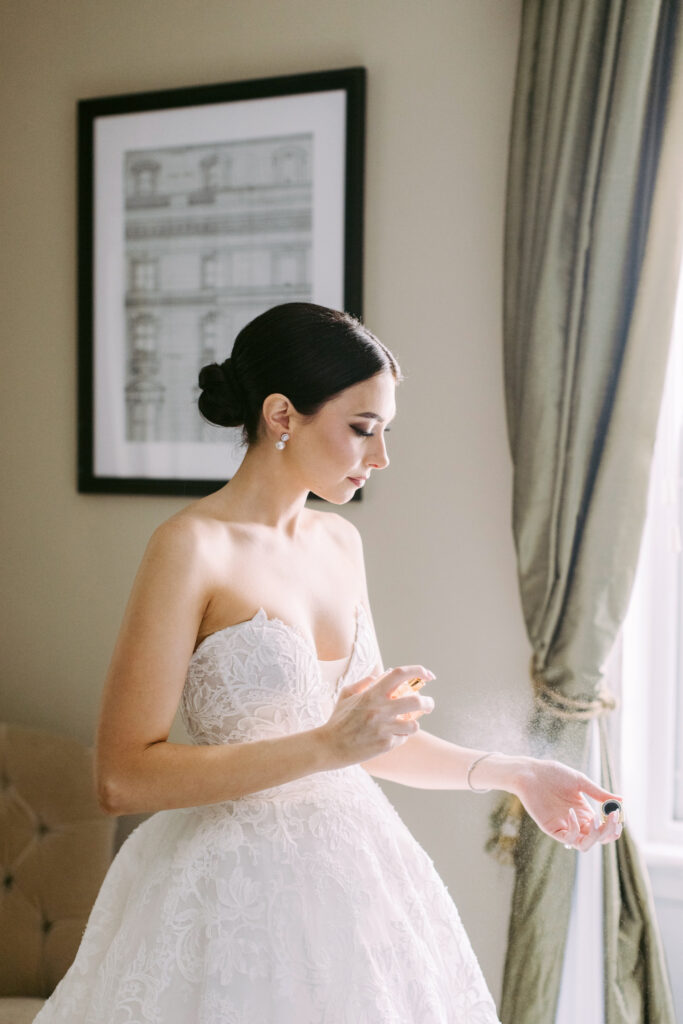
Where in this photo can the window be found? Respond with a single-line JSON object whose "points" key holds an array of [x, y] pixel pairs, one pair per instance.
{"points": [[209, 270], [209, 170], [290, 165], [144, 273], [289, 267], [144, 334], [652, 639], [209, 331], [145, 175]]}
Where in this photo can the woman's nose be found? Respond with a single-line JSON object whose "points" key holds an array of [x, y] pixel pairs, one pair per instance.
{"points": [[380, 459]]}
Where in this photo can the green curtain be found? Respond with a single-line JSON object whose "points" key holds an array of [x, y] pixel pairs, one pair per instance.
{"points": [[583, 390]]}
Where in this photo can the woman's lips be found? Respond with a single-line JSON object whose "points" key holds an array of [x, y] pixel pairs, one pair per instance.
{"points": [[358, 481]]}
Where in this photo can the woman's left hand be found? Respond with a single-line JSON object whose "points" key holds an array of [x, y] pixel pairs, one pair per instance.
{"points": [[554, 795]]}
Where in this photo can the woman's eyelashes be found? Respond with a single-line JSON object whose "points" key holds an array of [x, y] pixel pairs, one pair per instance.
{"points": [[368, 433]]}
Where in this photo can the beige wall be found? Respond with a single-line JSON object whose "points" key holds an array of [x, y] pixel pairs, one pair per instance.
{"points": [[436, 524]]}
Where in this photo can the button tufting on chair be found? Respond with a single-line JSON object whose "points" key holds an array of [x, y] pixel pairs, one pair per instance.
{"points": [[45, 777]]}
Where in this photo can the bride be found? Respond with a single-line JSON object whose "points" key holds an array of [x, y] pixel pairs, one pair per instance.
{"points": [[275, 883]]}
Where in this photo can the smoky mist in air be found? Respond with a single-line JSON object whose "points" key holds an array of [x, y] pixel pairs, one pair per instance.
{"points": [[497, 721]]}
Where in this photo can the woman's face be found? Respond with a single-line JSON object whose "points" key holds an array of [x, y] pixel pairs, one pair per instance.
{"points": [[345, 439]]}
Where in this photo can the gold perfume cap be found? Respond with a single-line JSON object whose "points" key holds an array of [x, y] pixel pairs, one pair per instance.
{"points": [[417, 683], [609, 807]]}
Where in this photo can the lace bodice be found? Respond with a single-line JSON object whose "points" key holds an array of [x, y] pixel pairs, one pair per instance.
{"points": [[307, 902], [262, 678]]}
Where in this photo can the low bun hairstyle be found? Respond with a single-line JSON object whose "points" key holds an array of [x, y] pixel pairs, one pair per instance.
{"points": [[222, 400], [307, 352]]}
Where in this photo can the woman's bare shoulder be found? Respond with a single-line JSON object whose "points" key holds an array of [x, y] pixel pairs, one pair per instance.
{"points": [[193, 529], [342, 533]]}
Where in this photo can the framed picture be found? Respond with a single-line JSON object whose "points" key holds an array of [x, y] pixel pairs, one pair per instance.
{"points": [[198, 209]]}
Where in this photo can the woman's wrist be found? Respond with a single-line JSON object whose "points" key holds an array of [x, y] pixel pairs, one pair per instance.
{"points": [[498, 771]]}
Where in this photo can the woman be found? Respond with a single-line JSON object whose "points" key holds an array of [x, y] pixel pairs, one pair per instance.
{"points": [[275, 883]]}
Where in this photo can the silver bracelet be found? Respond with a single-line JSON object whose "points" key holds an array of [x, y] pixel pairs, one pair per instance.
{"points": [[471, 769]]}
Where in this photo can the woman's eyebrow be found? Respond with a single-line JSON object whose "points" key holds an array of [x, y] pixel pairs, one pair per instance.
{"points": [[373, 416]]}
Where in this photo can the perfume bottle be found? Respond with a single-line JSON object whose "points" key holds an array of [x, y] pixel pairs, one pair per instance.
{"points": [[404, 690]]}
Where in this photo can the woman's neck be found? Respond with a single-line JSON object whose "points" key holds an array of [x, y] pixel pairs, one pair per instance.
{"points": [[264, 490]]}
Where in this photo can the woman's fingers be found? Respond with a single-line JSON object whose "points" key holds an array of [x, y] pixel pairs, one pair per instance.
{"points": [[571, 833], [603, 833], [585, 843], [591, 788], [406, 728], [585, 815], [611, 829], [401, 705], [589, 836], [395, 677], [358, 686]]}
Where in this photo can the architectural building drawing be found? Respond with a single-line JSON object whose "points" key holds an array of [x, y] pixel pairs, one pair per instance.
{"points": [[214, 235]]}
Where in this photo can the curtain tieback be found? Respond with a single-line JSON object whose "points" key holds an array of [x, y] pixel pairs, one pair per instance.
{"points": [[572, 708]]}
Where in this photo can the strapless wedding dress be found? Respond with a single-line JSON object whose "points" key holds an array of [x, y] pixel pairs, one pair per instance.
{"points": [[306, 903]]}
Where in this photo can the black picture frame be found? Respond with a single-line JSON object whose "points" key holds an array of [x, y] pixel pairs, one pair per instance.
{"points": [[195, 205]]}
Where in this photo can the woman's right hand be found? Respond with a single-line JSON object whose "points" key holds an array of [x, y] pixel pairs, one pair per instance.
{"points": [[365, 721]]}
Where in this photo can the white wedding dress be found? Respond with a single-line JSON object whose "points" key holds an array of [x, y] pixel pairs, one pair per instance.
{"points": [[306, 903]]}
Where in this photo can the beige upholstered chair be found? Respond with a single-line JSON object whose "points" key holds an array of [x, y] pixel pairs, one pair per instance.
{"points": [[55, 848]]}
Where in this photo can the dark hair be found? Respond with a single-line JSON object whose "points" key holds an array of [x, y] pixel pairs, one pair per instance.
{"points": [[307, 352]]}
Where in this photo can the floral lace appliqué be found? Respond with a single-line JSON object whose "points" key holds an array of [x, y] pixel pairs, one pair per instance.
{"points": [[305, 903]]}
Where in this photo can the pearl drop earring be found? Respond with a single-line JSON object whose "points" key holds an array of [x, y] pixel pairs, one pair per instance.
{"points": [[281, 443]]}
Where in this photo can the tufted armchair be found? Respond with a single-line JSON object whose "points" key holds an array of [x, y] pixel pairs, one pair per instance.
{"points": [[55, 848]]}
